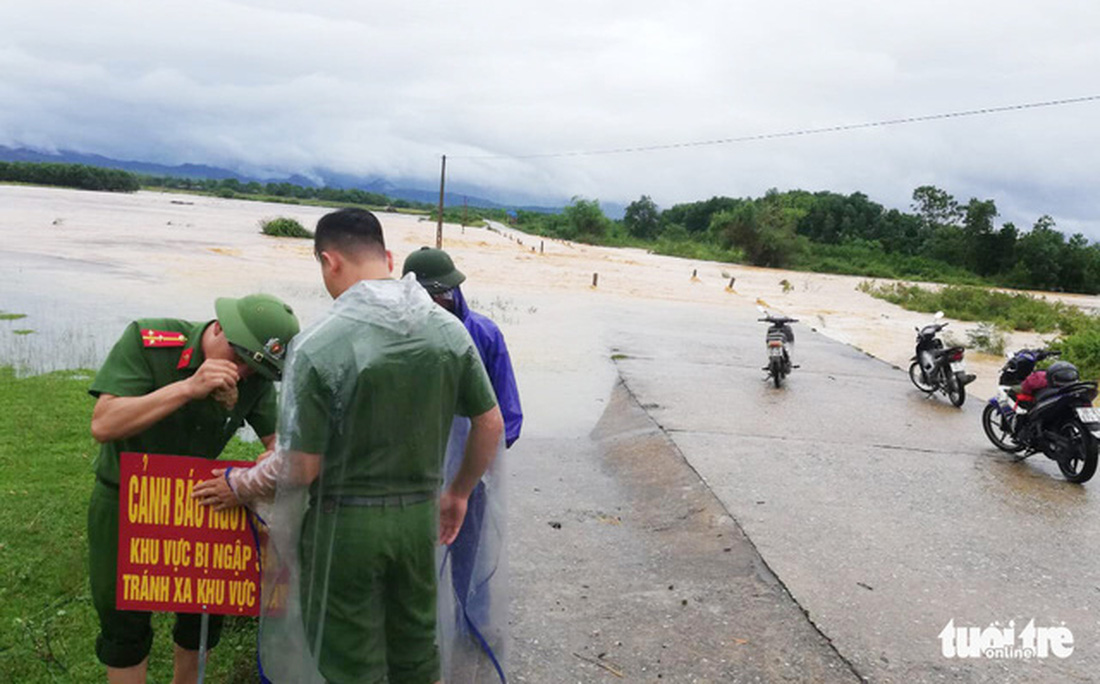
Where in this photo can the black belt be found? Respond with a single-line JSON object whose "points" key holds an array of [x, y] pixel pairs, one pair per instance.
{"points": [[330, 503]]}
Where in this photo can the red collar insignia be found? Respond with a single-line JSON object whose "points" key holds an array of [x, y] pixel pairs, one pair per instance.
{"points": [[185, 358]]}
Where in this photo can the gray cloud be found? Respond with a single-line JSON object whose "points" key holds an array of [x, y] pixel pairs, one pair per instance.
{"points": [[282, 87]]}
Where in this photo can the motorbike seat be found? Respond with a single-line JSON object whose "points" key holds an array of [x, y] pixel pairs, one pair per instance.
{"points": [[1045, 392]]}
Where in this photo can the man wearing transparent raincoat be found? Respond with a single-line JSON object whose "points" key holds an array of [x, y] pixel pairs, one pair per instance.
{"points": [[368, 397], [475, 563]]}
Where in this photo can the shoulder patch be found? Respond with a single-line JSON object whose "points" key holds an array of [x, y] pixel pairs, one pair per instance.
{"points": [[161, 338]]}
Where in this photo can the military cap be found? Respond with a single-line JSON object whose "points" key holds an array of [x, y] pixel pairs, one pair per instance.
{"points": [[434, 270], [259, 328]]}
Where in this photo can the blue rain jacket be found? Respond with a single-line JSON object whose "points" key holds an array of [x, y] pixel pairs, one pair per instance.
{"points": [[494, 354]]}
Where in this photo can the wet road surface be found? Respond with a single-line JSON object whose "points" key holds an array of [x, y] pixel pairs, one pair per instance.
{"points": [[884, 512], [624, 565]]}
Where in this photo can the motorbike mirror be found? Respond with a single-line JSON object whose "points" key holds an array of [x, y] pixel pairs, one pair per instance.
{"points": [[939, 315]]}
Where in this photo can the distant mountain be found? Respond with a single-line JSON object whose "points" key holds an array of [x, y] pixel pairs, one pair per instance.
{"points": [[398, 189], [67, 157]]}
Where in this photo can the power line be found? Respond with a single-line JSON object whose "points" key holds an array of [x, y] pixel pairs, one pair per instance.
{"points": [[793, 134]]}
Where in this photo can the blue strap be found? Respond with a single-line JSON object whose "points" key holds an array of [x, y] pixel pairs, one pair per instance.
{"points": [[470, 623], [252, 517]]}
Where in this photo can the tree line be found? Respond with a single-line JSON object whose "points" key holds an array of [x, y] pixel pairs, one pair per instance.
{"points": [[939, 239], [232, 187], [79, 176]]}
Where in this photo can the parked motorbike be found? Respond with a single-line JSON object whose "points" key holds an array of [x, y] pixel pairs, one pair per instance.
{"points": [[1057, 419], [935, 368], [780, 341]]}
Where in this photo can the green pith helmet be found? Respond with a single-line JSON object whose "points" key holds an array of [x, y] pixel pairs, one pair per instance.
{"points": [[259, 328], [434, 270]]}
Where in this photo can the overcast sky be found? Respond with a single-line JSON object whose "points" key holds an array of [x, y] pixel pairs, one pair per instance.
{"points": [[274, 87]]}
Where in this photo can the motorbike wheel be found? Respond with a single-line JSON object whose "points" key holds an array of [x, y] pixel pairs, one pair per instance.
{"points": [[777, 372], [956, 391], [999, 431], [916, 375], [1081, 465]]}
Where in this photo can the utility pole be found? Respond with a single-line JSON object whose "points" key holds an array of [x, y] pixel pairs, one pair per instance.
{"points": [[439, 225]]}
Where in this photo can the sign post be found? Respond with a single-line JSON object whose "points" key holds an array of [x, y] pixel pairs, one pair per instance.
{"points": [[204, 630], [439, 226]]}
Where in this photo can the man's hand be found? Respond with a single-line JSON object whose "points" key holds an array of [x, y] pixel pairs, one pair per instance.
{"points": [[215, 492], [452, 511], [211, 375]]}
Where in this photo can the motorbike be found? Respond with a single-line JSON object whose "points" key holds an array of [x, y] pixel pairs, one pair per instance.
{"points": [[780, 341], [935, 368], [1057, 419]]}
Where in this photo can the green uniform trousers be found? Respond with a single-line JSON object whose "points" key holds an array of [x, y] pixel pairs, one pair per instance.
{"points": [[369, 591], [126, 636]]}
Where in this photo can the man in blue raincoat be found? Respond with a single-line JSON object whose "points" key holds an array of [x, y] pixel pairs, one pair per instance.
{"points": [[436, 271]]}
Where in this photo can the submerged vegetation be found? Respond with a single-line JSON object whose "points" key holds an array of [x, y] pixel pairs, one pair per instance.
{"points": [[1014, 311], [987, 338], [284, 227]]}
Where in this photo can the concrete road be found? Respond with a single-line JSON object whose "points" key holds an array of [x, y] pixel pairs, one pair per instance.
{"points": [[884, 512]]}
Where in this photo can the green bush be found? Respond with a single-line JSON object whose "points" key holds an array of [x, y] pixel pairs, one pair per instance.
{"points": [[987, 338], [284, 227], [1082, 349]]}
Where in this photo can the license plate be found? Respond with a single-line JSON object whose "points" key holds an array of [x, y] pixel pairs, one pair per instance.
{"points": [[775, 351], [1088, 415], [958, 367]]}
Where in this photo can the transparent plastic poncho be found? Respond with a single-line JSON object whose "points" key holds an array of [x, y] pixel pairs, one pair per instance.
{"points": [[473, 577], [347, 504]]}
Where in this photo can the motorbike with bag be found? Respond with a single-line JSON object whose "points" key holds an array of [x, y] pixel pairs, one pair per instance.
{"points": [[1049, 411], [939, 369], [780, 341]]}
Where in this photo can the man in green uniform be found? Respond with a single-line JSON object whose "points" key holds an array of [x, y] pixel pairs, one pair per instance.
{"points": [[367, 405], [182, 388]]}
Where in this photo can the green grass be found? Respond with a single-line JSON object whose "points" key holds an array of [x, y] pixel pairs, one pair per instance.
{"points": [[4, 316], [23, 331], [1078, 333], [47, 623], [1011, 311]]}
